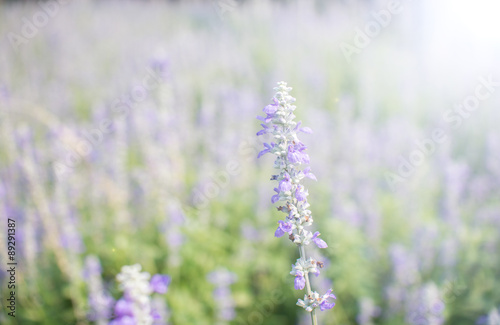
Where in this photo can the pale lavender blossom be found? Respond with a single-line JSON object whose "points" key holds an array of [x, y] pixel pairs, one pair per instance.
{"points": [[100, 300], [159, 311], [161, 64], [367, 311], [425, 306], [124, 307], [300, 281], [222, 279]]}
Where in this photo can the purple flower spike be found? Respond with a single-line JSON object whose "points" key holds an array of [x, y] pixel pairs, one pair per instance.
{"points": [[318, 241], [159, 283], [291, 157], [300, 281], [283, 227]]}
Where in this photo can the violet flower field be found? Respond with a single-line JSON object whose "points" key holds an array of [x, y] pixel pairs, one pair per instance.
{"points": [[138, 187]]}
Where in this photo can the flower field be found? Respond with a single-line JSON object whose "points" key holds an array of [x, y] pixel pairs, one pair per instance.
{"points": [[131, 191]]}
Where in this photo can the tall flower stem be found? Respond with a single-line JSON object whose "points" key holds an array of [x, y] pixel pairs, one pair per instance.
{"points": [[290, 161]]}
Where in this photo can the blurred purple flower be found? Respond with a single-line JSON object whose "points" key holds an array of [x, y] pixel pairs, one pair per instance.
{"points": [[159, 283], [99, 300], [160, 64], [227, 313], [223, 278], [125, 320], [123, 308]]}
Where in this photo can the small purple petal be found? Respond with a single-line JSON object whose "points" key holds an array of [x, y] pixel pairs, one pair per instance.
{"points": [[306, 130], [286, 226], [329, 294], [300, 281], [275, 198], [319, 242], [312, 176], [325, 305], [283, 227], [307, 173], [263, 152], [156, 315], [262, 132]]}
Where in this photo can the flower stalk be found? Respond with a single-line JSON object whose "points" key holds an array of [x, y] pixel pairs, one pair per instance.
{"points": [[290, 157]]}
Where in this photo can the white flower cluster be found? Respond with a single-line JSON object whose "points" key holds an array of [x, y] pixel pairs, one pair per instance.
{"points": [[310, 301], [306, 266], [314, 300], [136, 287]]}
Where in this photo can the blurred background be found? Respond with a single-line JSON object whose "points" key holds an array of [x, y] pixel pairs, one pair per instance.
{"points": [[128, 136]]}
